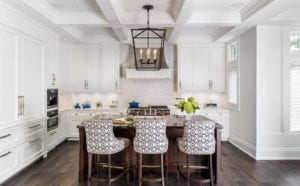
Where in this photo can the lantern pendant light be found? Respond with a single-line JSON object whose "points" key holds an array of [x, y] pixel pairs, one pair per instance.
{"points": [[148, 45]]}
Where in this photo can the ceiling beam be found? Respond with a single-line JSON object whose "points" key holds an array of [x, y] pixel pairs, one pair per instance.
{"points": [[183, 16], [111, 15]]}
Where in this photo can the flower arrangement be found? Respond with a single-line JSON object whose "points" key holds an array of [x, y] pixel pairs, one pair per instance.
{"points": [[189, 106]]}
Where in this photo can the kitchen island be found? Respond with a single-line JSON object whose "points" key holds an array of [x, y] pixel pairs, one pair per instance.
{"points": [[174, 130]]}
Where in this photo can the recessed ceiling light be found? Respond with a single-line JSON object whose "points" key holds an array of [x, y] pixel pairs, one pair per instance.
{"points": [[236, 4]]}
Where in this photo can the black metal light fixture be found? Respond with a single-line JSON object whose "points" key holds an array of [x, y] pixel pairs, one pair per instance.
{"points": [[148, 45]]}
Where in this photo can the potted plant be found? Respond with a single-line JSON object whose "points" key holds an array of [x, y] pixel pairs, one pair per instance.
{"points": [[188, 106]]}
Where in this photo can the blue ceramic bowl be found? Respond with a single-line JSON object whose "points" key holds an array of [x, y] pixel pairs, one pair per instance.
{"points": [[133, 104]]}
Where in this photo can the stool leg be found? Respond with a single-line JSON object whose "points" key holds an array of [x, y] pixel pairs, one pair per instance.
{"points": [[109, 169], [140, 169], [167, 168], [89, 168], [127, 164], [177, 171], [211, 171], [187, 170], [162, 169]]}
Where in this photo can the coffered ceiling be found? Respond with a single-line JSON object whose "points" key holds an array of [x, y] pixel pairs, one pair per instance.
{"points": [[217, 19]]}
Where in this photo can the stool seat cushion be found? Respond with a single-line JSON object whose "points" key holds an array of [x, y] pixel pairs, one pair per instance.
{"points": [[150, 137], [198, 138], [100, 138]]}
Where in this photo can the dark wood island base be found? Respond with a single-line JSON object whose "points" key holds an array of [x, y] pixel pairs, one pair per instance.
{"points": [[173, 132]]}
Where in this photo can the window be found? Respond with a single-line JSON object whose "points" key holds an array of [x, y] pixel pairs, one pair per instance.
{"points": [[232, 67], [295, 98], [294, 42]]}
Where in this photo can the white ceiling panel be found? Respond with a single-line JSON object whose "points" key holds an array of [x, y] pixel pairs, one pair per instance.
{"points": [[220, 5], [74, 5]]}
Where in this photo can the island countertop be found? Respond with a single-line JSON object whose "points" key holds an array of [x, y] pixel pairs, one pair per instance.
{"points": [[172, 121]]}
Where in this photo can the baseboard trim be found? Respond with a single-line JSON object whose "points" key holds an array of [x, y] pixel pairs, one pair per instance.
{"points": [[278, 154], [243, 145]]}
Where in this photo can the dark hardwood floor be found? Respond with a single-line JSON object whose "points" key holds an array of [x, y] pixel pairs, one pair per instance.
{"points": [[61, 167]]}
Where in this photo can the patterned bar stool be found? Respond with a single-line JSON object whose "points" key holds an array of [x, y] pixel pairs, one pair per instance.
{"points": [[150, 138], [100, 140], [198, 139]]}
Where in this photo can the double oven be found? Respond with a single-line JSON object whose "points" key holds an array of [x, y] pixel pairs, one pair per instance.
{"points": [[52, 109]]}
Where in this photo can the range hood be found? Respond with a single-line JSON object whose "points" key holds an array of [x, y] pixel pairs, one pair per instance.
{"points": [[163, 73]]}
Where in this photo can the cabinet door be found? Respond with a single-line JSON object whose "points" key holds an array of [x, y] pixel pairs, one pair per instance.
{"points": [[201, 68], [93, 65], [8, 76], [110, 68], [66, 67], [9, 162], [33, 76], [217, 68], [80, 59], [185, 68], [51, 63]]}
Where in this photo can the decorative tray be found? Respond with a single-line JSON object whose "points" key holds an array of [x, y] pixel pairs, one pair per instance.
{"points": [[122, 121]]}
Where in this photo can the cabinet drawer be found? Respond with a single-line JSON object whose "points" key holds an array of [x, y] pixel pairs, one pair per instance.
{"points": [[52, 139], [32, 148], [8, 137], [33, 128], [8, 162]]}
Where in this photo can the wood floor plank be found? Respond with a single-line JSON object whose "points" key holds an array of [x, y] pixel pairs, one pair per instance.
{"points": [[60, 168]]}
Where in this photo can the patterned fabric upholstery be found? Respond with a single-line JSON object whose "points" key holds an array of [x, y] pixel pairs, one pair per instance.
{"points": [[198, 137], [100, 138], [150, 137]]}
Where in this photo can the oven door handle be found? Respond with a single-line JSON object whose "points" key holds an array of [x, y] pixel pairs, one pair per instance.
{"points": [[53, 117]]}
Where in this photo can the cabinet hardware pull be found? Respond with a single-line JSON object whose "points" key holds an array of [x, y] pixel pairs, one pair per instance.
{"points": [[116, 85], [35, 126], [180, 84], [5, 136], [33, 141], [52, 133], [23, 105], [210, 84], [19, 105], [5, 154], [53, 79], [87, 84], [53, 117]]}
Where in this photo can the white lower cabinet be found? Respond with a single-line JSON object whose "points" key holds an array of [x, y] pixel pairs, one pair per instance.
{"points": [[32, 149], [221, 117], [9, 161], [52, 139], [21, 145]]}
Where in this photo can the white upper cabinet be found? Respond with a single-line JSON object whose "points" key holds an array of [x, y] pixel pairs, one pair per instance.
{"points": [[87, 64], [32, 77], [22, 82], [8, 75], [91, 69], [110, 69], [201, 68], [51, 63]]}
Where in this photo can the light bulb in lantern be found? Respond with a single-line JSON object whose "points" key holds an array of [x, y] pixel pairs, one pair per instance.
{"points": [[148, 53], [154, 54], [141, 53]]}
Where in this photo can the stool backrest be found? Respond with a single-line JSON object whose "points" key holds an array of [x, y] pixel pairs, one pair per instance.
{"points": [[199, 137], [150, 137], [100, 138]]}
